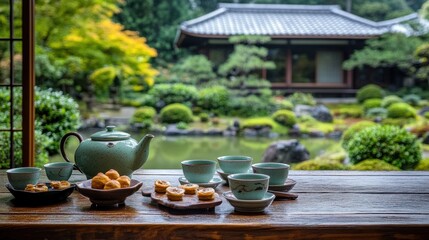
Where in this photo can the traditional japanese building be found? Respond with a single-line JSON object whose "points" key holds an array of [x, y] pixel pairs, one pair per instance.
{"points": [[309, 43]]}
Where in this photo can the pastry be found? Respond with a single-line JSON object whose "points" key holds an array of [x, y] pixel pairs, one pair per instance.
{"points": [[64, 184], [112, 184], [125, 181], [29, 187], [112, 174], [206, 193], [189, 188], [161, 186], [40, 187], [60, 185], [99, 181], [175, 193]]}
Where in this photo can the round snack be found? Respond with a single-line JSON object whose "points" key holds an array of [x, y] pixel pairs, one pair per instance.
{"points": [[125, 181], [64, 184], [161, 186], [99, 181], [206, 194], [189, 188], [56, 184], [40, 187], [29, 187], [112, 174], [175, 193], [112, 184]]}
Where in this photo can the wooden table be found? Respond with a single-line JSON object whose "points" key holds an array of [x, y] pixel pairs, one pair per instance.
{"points": [[331, 204]]}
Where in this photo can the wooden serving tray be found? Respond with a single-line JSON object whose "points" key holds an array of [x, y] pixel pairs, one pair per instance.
{"points": [[188, 202]]}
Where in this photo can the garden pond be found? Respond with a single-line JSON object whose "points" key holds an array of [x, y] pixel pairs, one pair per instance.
{"points": [[166, 152]]}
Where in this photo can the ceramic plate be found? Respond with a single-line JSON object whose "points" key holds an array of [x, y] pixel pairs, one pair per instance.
{"points": [[213, 183], [107, 197], [249, 205], [287, 186], [40, 198]]}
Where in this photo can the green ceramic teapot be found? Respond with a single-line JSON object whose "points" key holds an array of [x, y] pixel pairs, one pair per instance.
{"points": [[106, 150]]}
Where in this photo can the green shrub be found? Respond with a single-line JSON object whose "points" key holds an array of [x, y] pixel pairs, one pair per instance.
{"points": [[195, 69], [371, 103], [302, 98], [249, 107], [423, 165], [285, 105], [257, 123], [182, 125], [390, 100], [175, 113], [401, 110], [426, 115], [204, 117], [369, 91], [400, 122], [142, 114], [214, 99], [319, 165], [374, 165], [348, 112], [57, 114], [412, 99], [391, 144], [165, 94], [376, 112], [352, 130], [284, 117]]}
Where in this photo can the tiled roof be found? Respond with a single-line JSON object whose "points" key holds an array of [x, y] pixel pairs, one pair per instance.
{"points": [[278, 20]]}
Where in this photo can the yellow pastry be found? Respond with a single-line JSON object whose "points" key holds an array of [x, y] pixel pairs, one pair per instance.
{"points": [[125, 181], [206, 194], [99, 181], [29, 187], [40, 187], [64, 184], [189, 188], [175, 193], [56, 184], [161, 186], [112, 174], [112, 184]]}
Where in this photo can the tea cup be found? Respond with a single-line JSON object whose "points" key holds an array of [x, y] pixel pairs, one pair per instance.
{"points": [[59, 171], [198, 171], [248, 186], [278, 172], [20, 177], [235, 164]]}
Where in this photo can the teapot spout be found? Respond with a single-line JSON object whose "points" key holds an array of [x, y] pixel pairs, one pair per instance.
{"points": [[142, 151]]}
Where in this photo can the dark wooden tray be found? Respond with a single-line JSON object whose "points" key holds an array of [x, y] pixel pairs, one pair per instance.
{"points": [[188, 202]]}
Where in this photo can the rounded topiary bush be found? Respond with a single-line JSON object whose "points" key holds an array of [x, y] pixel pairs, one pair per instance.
{"points": [[369, 91], [376, 112], [284, 117], [423, 165], [390, 100], [164, 94], [214, 99], [143, 113], [412, 99], [374, 165], [302, 98], [175, 113], [391, 144], [285, 105], [319, 165], [401, 110], [204, 117], [352, 130], [371, 103]]}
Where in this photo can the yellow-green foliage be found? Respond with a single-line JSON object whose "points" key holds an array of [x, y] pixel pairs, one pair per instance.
{"points": [[355, 128], [284, 117], [308, 124], [319, 165], [264, 122], [423, 165], [339, 156], [371, 103], [374, 165], [401, 110]]}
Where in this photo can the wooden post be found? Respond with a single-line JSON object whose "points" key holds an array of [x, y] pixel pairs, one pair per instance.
{"points": [[28, 83]]}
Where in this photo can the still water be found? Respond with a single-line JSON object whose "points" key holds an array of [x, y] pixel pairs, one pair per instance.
{"points": [[167, 152]]}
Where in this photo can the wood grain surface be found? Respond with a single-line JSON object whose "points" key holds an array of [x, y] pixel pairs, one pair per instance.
{"points": [[331, 205]]}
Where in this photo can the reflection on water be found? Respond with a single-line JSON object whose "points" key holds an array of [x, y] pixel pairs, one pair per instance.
{"points": [[167, 152]]}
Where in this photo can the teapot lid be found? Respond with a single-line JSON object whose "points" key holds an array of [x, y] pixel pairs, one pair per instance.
{"points": [[110, 135]]}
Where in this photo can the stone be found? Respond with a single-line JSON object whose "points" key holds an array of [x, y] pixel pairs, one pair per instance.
{"points": [[248, 132], [423, 111], [286, 151], [301, 110], [172, 130], [322, 113]]}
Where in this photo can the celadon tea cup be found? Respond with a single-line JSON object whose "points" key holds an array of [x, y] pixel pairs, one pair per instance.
{"points": [[20, 177], [248, 186], [235, 164], [198, 171], [59, 171], [278, 172]]}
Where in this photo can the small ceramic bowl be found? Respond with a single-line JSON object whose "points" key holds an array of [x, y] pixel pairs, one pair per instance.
{"points": [[59, 171], [102, 197], [198, 171], [278, 172], [235, 164], [249, 205], [20, 177], [248, 186]]}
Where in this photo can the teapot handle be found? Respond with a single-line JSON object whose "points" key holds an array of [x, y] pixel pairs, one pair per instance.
{"points": [[63, 143]]}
